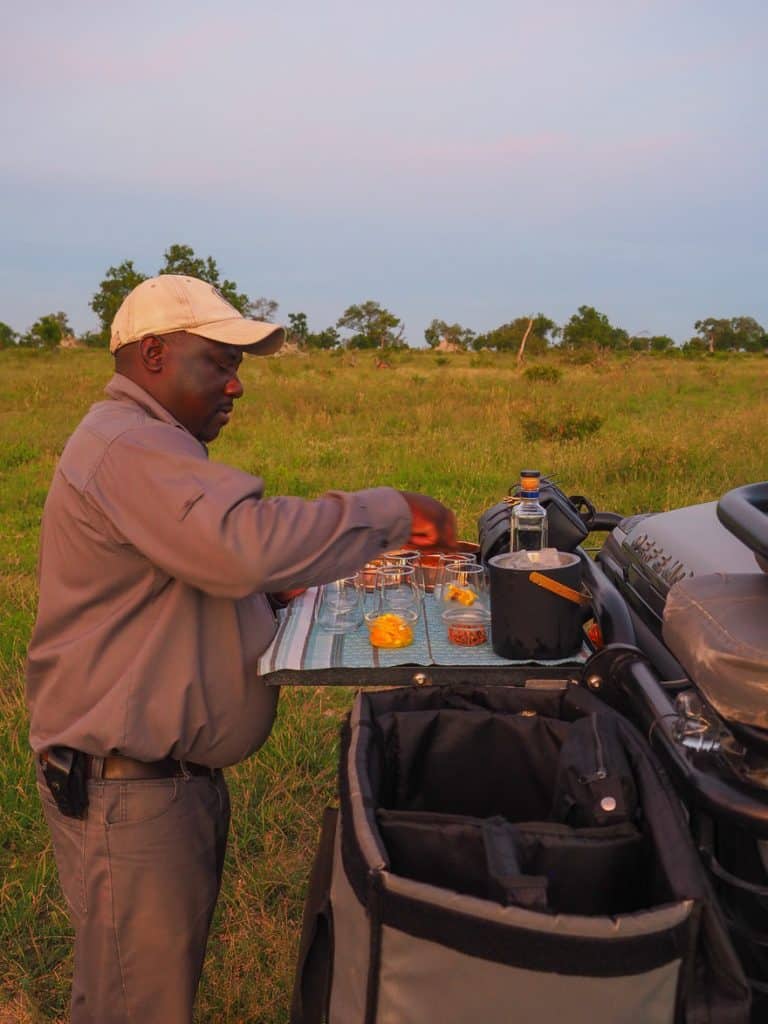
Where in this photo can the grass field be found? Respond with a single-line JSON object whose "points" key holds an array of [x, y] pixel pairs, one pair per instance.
{"points": [[632, 433]]}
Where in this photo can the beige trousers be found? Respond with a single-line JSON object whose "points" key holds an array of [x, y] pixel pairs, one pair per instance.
{"points": [[141, 874]]}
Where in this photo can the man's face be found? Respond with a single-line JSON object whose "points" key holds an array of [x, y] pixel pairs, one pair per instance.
{"points": [[200, 382]]}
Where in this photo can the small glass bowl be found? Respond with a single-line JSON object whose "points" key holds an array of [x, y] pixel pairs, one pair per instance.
{"points": [[467, 627], [391, 629]]}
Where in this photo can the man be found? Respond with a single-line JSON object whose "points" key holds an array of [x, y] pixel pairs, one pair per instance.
{"points": [[155, 570]]}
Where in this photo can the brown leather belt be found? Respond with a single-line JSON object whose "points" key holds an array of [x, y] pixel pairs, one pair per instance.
{"points": [[118, 767]]}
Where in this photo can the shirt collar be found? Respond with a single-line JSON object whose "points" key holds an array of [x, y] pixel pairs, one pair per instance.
{"points": [[121, 388]]}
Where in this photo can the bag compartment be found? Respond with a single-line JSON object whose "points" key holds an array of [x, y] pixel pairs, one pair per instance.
{"points": [[587, 871]]}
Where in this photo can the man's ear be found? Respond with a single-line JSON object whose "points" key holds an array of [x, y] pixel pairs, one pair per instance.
{"points": [[152, 352]]}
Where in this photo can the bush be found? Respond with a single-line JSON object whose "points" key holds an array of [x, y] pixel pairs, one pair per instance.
{"points": [[572, 428], [547, 374], [95, 339], [580, 356], [481, 360]]}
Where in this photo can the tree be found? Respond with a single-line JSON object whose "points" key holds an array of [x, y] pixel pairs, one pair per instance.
{"points": [[695, 346], [117, 283], [262, 309], [589, 328], [298, 329], [372, 326], [48, 331], [454, 334], [181, 259], [177, 259], [509, 336], [749, 334], [713, 334], [299, 333], [739, 333], [8, 337], [650, 342], [329, 338]]}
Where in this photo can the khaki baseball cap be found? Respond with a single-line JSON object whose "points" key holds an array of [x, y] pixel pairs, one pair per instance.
{"points": [[173, 302]]}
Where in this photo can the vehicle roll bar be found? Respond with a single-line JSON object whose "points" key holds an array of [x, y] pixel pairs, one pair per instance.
{"points": [[744, 511]]}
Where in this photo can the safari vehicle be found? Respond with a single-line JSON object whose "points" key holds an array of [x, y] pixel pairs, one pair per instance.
{"points": [[583, 840], [686, 660]]}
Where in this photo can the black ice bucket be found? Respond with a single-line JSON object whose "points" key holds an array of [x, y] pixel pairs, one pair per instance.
{"points": [[529, 621]]}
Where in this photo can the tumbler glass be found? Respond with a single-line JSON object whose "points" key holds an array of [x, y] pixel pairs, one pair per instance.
{"points": [[396, 589], [444, 560], [465, 584], [406, 556], [412, 559], [341, 605]]}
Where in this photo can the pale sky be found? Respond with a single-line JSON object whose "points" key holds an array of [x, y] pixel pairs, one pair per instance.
{"points": [[470, 161]]}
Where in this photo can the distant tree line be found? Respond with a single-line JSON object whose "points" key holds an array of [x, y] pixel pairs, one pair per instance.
{"points": [[368, 325]]}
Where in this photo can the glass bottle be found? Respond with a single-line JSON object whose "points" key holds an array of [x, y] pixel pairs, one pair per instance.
{"points": [[529, 517]]}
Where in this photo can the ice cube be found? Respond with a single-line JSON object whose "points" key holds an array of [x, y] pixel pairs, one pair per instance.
{"points": [[530, 561], [547, 558], [518, 560]]}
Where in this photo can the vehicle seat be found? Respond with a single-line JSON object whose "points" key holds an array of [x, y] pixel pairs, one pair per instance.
{"points": [[717, 628]]}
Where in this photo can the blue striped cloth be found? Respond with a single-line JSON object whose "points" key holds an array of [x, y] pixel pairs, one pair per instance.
{"points": [[300, 644]]}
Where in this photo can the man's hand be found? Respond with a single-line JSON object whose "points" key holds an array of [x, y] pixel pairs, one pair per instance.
{"points": [[433, 525]]}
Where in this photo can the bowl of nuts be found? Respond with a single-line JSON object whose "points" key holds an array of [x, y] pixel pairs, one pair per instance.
{"points": [[467, 626]]}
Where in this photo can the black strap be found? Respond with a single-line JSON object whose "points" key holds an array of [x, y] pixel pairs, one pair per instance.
{"points": [[508, 885], [311, 987]]}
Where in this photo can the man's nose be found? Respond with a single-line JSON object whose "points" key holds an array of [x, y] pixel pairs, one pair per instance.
{"points": [[233, 387]]}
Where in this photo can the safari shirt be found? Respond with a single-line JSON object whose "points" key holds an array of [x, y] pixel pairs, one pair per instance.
{"points": [[154, 566]]}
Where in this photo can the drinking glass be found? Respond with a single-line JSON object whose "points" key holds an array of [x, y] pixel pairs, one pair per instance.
{"points": [[444, 560], [341, 605], [404, 557], [396, 590], [412, 559], [368, 573], [465, 584], [392, 610]]}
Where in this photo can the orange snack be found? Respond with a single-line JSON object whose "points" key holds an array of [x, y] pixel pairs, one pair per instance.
{"points": [[390, 630], [463, 595], [595, 634]]}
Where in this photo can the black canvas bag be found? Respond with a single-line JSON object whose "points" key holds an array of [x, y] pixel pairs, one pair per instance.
{"points": [[457, 892], [566, 526]]}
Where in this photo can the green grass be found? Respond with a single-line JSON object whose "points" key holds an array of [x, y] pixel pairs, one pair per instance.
{"points": [[645, 433]]}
